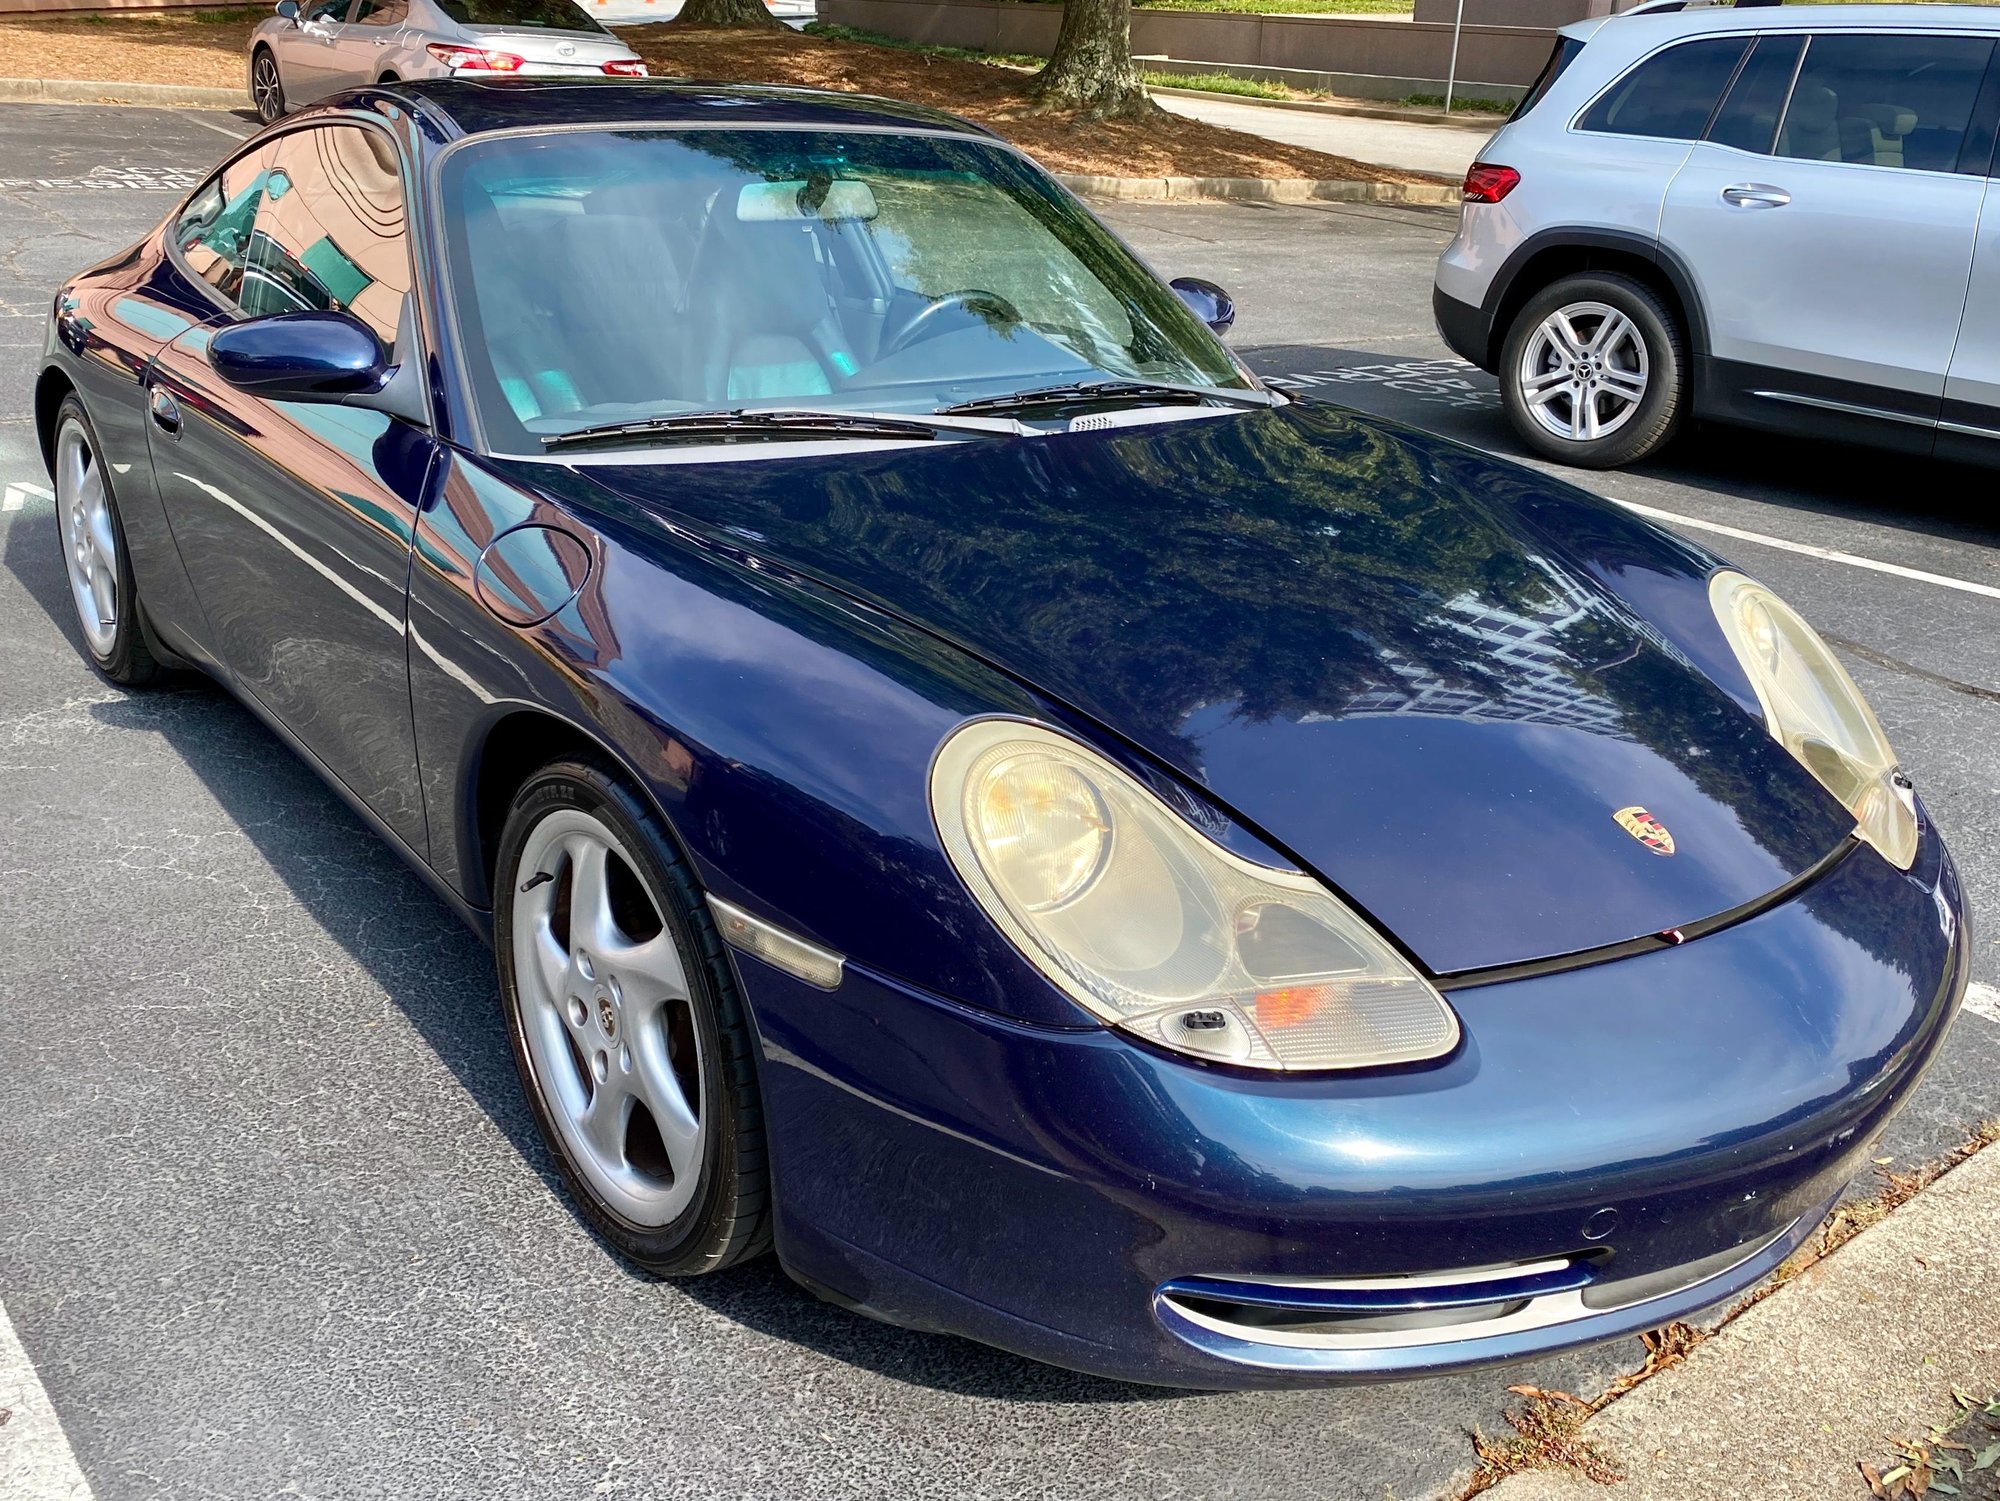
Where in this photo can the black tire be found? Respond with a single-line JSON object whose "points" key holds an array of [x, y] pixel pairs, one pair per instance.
{"points": [[728, 1220], [1649, 423], [270, 105], [127, 658]]}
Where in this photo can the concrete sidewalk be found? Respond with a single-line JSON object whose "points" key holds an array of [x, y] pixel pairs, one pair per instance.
{"points": [[1412, 145], [1787, 1401]]}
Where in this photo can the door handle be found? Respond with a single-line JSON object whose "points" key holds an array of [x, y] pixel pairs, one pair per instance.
{"points": [[1755, 195], [166, 412]]}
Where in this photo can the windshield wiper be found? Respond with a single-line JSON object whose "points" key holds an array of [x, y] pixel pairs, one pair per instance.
{"points": [[1086, 392], [775, 424]]}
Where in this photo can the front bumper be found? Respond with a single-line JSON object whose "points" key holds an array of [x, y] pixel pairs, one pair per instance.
{"points": [[1675, 1123]]}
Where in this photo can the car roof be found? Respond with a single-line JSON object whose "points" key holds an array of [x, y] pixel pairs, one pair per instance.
{"points": [[468, 107], [1697, 19]]}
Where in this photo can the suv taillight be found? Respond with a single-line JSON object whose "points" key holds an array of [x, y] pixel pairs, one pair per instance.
{"points": [[1486, 183], [625, 68], [474, 59]]}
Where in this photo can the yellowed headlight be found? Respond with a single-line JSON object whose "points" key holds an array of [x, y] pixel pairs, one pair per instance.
{"points": [[1813, 709], [1148, 924]]}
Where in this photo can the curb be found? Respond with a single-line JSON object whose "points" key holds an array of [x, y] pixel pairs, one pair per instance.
{"points": [[1121, 189], [1459, 121], [1257, 190], [83, 91]]}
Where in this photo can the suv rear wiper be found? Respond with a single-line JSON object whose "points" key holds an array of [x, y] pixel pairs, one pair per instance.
{"points": [[1085, 392], [771, 424]]}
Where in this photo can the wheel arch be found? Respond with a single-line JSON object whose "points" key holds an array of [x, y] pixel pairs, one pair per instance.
{"points": [[51, 386], [516, 745], [1546, 258]]}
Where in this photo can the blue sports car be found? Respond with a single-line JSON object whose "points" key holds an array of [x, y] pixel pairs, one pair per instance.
{"points": [[968, 789]]}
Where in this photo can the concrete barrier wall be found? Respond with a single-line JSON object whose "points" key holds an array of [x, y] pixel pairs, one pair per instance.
{"points": [[1400, 51]]}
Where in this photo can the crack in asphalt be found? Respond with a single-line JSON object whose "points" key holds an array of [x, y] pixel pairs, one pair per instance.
{"points": [[1897, 664]]}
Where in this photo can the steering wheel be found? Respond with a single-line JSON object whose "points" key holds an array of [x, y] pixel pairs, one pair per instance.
{"points": [[972, 300]]}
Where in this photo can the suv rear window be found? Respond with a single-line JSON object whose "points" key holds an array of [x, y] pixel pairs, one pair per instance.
{"points": [[1565, 54], [1671, 94]]}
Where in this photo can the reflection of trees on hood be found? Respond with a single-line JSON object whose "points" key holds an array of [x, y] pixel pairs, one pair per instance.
{"points": [[1283, 564]]}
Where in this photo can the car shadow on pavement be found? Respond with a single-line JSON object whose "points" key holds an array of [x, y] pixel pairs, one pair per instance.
{"points": [[1444, 395], [360, 893]]}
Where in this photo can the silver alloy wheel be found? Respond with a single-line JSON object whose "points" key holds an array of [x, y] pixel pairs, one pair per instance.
{"points": [[1584, 371], [606, 1016], [265, 90], [89, 540]]}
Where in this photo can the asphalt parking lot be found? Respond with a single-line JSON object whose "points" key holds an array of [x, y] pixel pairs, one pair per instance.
{"points": [[273, 1218]]}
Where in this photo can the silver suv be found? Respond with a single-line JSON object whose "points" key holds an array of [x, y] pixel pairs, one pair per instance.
{"points": [[1768, 216]]}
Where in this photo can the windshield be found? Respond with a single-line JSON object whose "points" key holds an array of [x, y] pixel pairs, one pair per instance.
{"points": [[536, 15], [605, 276]]}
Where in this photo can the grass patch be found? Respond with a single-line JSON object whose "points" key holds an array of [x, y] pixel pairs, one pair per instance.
{"points": [[1459, 101], [834, 33], [1218, 83]]}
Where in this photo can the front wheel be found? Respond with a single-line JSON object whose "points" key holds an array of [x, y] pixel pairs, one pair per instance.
{"points": [[630, 1039], [1594, 371], [267, 89]]}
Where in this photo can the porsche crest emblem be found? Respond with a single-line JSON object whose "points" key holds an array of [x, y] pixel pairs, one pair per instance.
{"points": [[1645, 828]]}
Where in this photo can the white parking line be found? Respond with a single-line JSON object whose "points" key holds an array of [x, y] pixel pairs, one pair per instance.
{"points": [[35, 1459], [15, 497], [234, 135], [1806, 549], [1983, 1000]]}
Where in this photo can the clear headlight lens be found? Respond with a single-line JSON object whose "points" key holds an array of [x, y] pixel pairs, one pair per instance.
{"points": [[1152, 926], [1813, 709]]}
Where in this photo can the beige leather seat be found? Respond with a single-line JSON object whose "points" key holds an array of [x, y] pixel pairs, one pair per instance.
{"points": [[1812, 125]]}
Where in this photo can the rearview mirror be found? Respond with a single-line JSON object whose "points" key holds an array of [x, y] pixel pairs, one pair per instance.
{"points": [[300, 357], [1206, 301], [289, 10]]}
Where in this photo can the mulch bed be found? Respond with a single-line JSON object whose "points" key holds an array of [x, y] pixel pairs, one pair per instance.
{"points": [[207, 49]]}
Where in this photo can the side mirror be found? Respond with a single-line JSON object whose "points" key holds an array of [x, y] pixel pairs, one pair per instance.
{"points": [[300, 357], [1206, 301], [289, 10]]}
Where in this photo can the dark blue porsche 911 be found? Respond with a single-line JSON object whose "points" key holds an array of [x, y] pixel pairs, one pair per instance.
{"points": [[968, 789]]}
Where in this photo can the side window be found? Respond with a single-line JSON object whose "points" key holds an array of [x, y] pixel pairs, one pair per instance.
{"points": [[1885, 101], [1671, 94], [1748, 119], [213, 231], [324, 10], [381, 12], [329, 231]]}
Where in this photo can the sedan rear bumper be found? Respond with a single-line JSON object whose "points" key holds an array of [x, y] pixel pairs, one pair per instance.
{"points": [[1610, 1148]]}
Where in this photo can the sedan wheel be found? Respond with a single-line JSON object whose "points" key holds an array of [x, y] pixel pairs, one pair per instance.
{"points": [[267, 90], [1592, 372], [100, 577], [628, 1034]]}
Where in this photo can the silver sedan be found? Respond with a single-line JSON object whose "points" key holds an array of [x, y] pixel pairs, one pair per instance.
{"points": [[300, 55]]}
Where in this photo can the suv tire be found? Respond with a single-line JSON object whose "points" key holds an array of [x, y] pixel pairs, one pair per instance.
{"points": [[1594, 371]]}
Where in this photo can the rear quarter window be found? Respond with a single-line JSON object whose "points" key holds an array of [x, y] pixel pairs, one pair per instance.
{"points": [[1670, 95]]}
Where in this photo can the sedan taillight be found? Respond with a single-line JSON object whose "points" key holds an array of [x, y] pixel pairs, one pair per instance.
{"points": [[625, 68], [474, 59], [1486, 183]]}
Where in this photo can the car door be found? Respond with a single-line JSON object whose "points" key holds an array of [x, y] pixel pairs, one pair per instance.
{"points": [[294, 519], [306, 60], [1969, 427], [1828, 230], [361, 48]]}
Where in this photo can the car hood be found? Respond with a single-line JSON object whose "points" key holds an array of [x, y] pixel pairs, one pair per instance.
{"points": [[1394, 658]]}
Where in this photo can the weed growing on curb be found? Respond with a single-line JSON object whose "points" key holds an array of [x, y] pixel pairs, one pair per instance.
{"points": [[1546, 1428]]}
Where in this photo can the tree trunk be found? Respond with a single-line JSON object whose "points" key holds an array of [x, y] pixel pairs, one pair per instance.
{"points": [[733, 13], [1091, 70]]}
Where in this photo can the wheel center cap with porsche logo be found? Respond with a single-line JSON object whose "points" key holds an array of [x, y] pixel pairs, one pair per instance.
{"points": [[1645, 828], [607, 1016]]}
